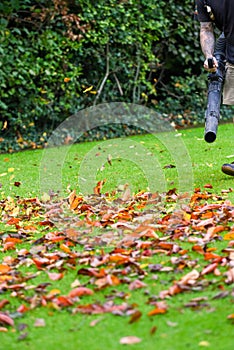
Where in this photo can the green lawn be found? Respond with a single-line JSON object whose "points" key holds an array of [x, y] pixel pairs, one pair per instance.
{"points": [[159, 162], [138, 161]]}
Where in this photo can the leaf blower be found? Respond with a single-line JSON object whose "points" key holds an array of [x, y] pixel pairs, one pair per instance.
{"points": [[215, 86]]}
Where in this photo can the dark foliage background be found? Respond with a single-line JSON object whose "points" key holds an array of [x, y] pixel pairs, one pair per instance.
{"points": [[61, 56]]}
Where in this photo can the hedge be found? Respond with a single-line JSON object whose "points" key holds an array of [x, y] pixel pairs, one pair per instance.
{"points": [[59, 57]]}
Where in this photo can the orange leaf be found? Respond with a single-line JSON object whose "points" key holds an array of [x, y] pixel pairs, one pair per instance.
{"points": [[76, 202], [198, 248], [4, 268], [4, 278], [118, 258], [210, 256], [57, 239], [65, 248], [22, 308], [66, 80], [212, 231], [229, 236], [12, 240], [109, 280], [175, 289], [13, 221], [157, 311], [63, 301], [97, 189], [207, 215]]}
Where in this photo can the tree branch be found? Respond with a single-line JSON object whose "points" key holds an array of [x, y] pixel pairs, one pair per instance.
{"points": [[106, 75]]}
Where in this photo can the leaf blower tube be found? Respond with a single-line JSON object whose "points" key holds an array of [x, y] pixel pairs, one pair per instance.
{"points": [[215, 86]]}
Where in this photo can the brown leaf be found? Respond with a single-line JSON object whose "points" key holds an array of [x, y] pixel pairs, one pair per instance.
{"points": [[109, 280], [79, 292], [190, 278], [208, 186], [137, 284], [135, 316], [126, 194], [63, 301], [108, 307], [230, 276], [97, 189], [208, 269], [212, 232], [6, 319], [3, 302], [153, 330], [175, 289], [54, 276]]}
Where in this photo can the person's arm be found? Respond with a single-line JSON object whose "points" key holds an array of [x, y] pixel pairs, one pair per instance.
{"points": [[207, 41]]}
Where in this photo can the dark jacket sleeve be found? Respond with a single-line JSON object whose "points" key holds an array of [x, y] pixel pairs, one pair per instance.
{"points": [[202, 13]]}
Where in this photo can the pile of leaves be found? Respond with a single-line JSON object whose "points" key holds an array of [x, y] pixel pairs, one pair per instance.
{"points": [[114, 243]]}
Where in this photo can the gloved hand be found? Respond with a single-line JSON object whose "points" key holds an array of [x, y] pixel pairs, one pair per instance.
{"points": [[211, 64]]}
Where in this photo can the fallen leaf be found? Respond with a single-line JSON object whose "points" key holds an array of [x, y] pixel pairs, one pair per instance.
{"points": [[54, 276], [4, 268], [157, 311], [204, 343], [153, 330], [6, 319], [190, 278], [131, 339], [3, 329], [39, 322], [95, 322], [135, 316], [208, 186], [229, 236], [23, 336], [97, 189], [79, 292], [137, 284], [208, 269], [172, 324], [3, 302]]}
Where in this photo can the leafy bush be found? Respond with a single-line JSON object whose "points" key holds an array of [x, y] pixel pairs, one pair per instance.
{"points": [[60, 56]]}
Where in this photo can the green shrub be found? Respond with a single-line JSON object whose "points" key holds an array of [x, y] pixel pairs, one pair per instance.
{"points": [[60, 56]]}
